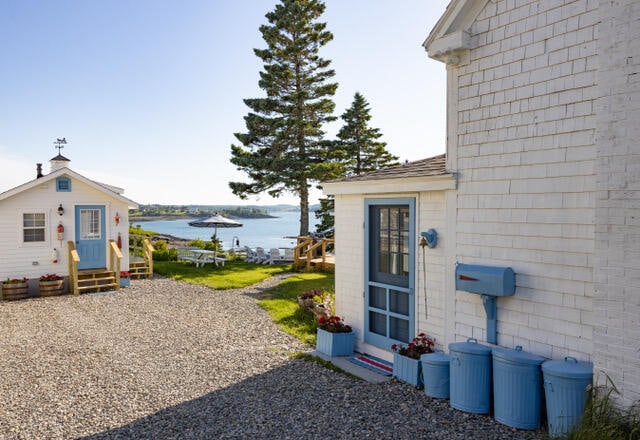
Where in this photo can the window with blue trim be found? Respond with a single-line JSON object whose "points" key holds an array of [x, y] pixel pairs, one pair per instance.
{"points": [[63, 184]]}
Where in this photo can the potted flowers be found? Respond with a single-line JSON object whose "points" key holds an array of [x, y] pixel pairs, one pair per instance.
{"points": [[406, 359], [334, 337], [51, 284], [125, 279], [14, 288]]}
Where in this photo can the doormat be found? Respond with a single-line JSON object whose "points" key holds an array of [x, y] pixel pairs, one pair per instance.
{"points": [[378, 365]]}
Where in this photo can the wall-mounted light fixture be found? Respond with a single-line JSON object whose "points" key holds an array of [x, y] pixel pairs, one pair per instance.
{"points": [[60, 209]]}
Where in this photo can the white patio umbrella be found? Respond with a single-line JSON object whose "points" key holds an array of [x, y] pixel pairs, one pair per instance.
{"points": [[215, 221]]}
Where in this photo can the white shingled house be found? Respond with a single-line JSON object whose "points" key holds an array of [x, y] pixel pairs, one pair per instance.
{"points": [[541, 175], [55, 220]]}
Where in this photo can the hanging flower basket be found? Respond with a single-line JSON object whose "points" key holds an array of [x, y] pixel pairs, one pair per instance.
{"points": [[14, 289], [51, 285]]}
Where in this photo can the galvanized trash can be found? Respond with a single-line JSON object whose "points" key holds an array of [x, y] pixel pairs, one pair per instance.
{"points": [[565, 386], [470, 376], [517, 388], [435, 374]]}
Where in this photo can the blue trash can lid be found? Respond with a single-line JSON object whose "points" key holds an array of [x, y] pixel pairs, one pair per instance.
{"points": [[470, 347], [569, 368], [438, 358], [517, 356]]}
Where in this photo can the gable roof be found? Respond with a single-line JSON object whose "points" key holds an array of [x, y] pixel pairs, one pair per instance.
{"points": [[111, 191], [432, 166], [449, 39], [421, 175]]}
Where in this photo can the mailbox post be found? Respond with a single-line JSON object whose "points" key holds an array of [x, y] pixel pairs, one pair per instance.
{"points": [[490, 282]]}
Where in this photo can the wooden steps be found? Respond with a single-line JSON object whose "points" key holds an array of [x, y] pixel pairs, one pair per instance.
{"points": [[96, 280], [139, 269]]}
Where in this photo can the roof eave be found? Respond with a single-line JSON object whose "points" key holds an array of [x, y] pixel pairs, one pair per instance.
{"points": [[439, 182], [449, 41]]}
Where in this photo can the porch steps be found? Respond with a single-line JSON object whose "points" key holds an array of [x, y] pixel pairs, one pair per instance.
{"points": [[139, 269], [96, 281]]}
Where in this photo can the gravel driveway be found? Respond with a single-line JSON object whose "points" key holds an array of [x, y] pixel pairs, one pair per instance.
{"points": [[168, 360]]}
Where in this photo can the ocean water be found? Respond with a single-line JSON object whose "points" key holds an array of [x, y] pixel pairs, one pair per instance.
{"points": [[264, 232]]}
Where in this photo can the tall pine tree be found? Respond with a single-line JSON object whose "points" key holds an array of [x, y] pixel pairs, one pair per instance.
{"points": [[363, 151], [283, 148], [358, 150]]}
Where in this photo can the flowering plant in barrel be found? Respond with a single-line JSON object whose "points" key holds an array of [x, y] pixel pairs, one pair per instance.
{"points": [[15, 280], [51, 277]]}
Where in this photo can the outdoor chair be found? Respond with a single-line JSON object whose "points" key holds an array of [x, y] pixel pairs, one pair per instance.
{"points": [[261, 256], [274, 256]]}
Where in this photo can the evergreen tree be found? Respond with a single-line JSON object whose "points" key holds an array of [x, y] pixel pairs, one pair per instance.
{"points": [[362, 149], [358, 150], [283, 148]]}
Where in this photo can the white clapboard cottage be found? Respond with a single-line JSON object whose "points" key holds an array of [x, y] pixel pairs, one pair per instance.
{"points": [[541, 175], [67, 224]]}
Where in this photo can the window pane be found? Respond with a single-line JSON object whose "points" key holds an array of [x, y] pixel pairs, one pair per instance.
{"points": [[90, 224], [393, 221], [399, 329], [32, 235], [378, 297], [404, 219], [384, 218], [399, 302], [378, 323], [383, 258]]}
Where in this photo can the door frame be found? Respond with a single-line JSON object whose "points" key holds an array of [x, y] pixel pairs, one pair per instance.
{"points": [[102, 263], [373, 338]]}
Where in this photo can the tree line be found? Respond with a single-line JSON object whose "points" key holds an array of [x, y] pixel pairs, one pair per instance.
{"points": [[284, 147]]}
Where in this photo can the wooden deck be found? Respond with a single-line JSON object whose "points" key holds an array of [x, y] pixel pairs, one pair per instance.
{"points": [[311, 253]]}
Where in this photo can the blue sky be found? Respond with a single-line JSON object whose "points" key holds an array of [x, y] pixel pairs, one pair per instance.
{"points": [[148, 93]]}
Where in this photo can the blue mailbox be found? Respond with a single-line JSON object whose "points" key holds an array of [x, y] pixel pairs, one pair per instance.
{"points": [[490, 282]]}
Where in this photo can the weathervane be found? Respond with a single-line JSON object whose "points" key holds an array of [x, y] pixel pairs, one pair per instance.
{"points": [[60, 143]]}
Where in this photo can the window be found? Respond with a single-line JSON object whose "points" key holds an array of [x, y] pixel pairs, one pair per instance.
{"points": [[33, 227], [63, 184]]}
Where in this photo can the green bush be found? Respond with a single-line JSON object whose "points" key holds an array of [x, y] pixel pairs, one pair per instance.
{"points": [[603, 419], [163, 253]]}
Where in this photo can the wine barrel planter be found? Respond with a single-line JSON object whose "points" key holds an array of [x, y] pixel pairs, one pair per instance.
{"points": [[51, 288], [13, 291]]}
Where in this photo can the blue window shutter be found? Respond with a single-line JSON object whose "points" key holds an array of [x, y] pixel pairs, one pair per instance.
{"points": [[63, 184]]}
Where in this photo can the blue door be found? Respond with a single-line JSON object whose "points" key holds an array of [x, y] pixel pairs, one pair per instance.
{"points": [[91, 242], [389, 266]]}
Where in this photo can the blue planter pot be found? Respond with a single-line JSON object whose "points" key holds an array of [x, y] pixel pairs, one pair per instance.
{"points": [[407, 369], [335, 344], [124, 282]]}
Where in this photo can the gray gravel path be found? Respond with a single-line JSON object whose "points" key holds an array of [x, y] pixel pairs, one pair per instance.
{"points": [[168, 360]]}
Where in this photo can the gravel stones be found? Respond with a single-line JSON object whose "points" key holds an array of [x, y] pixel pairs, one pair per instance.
{"points": [[165, 359]]}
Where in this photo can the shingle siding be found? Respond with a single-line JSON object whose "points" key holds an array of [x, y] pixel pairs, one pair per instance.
{"points": [[525, 147], [617, 234]]}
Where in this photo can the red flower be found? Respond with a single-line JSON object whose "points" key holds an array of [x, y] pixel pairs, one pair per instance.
{"points": [[333, 325], [420, 345]]}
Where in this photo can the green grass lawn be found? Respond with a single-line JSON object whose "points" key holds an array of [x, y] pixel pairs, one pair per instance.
{"points": [[233, 275], [282, 304]]}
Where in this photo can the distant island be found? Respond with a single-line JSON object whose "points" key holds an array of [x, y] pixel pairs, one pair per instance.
{"points": [[176, 212]]}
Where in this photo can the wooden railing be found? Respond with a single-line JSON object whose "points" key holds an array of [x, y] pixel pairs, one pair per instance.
{"points": [[73, 259], [306, 248], [147, 253], [114, 253]]}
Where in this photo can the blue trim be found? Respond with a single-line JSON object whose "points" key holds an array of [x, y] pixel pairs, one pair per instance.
{"points": [[63, 184], [98, 258], [373, 338]]}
